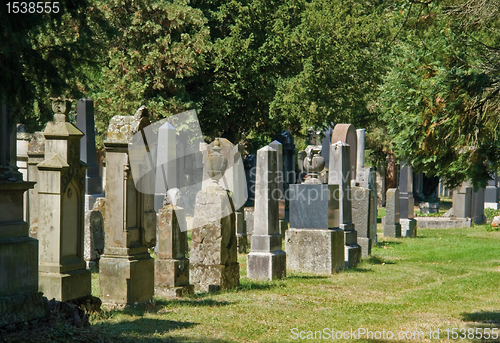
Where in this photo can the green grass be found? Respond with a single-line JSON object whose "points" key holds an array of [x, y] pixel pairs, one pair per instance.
{"points": [[442, 279]]}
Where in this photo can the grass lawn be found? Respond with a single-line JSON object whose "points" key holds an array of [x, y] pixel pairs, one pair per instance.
{"points": [[443, 279]]}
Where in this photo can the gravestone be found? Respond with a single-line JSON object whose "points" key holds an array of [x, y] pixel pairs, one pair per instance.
{"points": [[267, 261], [406, 202], [249, 164], [301, 155], [477, 210], [492, 193], [360, 156], [325, 145], [361, 210], [171, 264], [314, 242], [166, 163], [346, 133], [126, 270], [36, 154], [287, 142], [462, 201], [280, 190], [93, 245], [88, 154], [340, 174], [20, 300], [233, 180], [213, 257], [61, 190], [392, 226]]}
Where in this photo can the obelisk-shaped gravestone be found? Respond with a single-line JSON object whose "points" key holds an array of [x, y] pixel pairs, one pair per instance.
{"points": [[61, 189], [406, 202], [20, 300], [340, 174], [267, 261]]}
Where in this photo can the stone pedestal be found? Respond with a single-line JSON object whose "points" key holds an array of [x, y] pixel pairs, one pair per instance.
{"points": [[408, 227], [61, 186], [126, 270], [392, 226], [462, 201], [319, 251], [213, 257], [361, 210], [171, 265]]}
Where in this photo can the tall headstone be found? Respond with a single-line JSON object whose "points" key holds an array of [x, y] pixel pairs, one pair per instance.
{"points": [[477, 210], [267, 261], [61, 189], [36, 154], [85, 123], [213, 259], [392, 227], [340, 174], [361, 210], [406, 202], [492, 193], [325, 145], [166, 163], [360, 156], [126, 270], [20, 299], [287, 141], [250, 164], [314, 242], [346, 133], [171, 264], [279, 193], [462, 201]]}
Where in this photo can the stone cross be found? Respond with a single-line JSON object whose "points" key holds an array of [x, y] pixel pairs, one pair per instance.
{"points": [[267, 261], [61, 189]]}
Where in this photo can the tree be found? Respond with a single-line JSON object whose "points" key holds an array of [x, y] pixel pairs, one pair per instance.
{"points": [[439, 99]]}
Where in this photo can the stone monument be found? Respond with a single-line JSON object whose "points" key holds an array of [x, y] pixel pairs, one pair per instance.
{"points": [[126, 270], [406, 202], [492, 193], [346, 133], [171, 264], [314, 242], [392, 227], [36, 154], [267, 261], [61, 190], [166, 163], [213, 257], [340, 174], [20, 300]]}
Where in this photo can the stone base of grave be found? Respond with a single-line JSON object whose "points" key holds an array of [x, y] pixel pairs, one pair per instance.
{"points": [[22, 307], [392, 230], [126, 279], [212, 278], [319, 251], [408, 227], [350, 237], [352, 255], [65, 286], [493, 205], [366, 246], [266, 266], [172, 278]]}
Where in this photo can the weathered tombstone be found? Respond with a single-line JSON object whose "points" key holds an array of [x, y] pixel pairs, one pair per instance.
{"points": [[361, 210], [462, 201], [406, 202], [314, 243], [166, 163], [325, 145], [36, 154], [126, 270], [213, 256], [267, 261], [249, 164], [233, 180], [94, 234], [171, 264], [492, 194], [340, 174], [477, 210], [61, 190], [23, 138], [392, 227], [347, 133], [20, 300], [85, 123]]}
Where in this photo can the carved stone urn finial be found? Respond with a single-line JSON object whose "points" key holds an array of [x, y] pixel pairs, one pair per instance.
{"points": [[313, 164], [217, 163], [61, 107]]}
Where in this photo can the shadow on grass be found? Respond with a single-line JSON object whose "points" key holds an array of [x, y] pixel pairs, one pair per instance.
{"points": [[485, 317], [377, 260], [307, 277], [141, 330], [194, 301], [358, 270], [251, 285], [386, 243]]}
